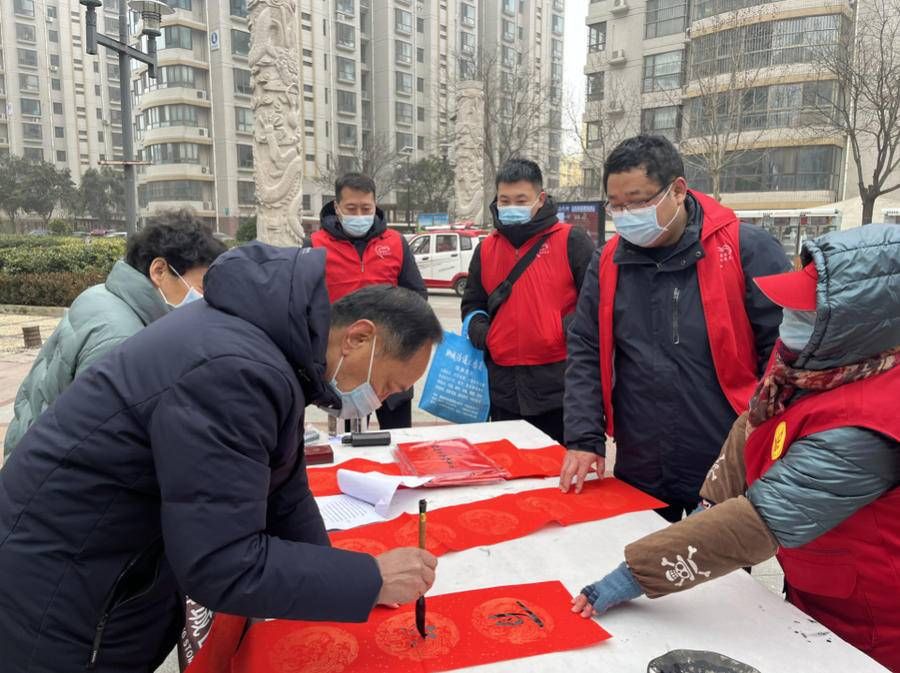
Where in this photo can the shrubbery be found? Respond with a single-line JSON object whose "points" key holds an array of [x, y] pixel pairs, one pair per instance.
{"points": [[52, 271]]}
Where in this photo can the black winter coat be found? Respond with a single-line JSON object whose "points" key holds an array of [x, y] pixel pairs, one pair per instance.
{"points": [[671, 414], [172, 467]]}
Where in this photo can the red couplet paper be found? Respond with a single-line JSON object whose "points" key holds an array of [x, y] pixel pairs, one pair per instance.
{"points": [[506, 517], [520, 463], [463, 629]]}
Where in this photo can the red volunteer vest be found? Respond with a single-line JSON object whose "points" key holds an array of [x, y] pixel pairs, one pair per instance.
{"points": [[722, 289], [346, 273], [848, 578], [528, 328]]}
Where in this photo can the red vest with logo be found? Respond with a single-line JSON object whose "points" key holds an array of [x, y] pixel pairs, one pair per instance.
{"points": [[722, 287], [848, 578], [345, 272], [528, 328]]}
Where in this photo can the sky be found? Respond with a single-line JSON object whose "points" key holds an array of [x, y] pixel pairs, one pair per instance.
{"points": [[575, 56]]}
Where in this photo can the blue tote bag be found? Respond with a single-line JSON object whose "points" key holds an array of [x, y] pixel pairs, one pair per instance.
{"points": [[457, 385]]}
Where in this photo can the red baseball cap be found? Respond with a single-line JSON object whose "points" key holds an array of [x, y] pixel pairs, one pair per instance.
{"points": [[794, 290]]}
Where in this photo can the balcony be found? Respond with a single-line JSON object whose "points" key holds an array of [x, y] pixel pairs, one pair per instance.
{"points": [[172, 95], [174, 134], [182, 171]]}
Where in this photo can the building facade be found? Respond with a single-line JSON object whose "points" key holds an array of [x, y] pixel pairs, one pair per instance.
{"points": [[736, 84], [377, 78]]}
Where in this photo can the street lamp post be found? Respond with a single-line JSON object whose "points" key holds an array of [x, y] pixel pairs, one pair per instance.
{"points": [[151, 12], [408, 151]]}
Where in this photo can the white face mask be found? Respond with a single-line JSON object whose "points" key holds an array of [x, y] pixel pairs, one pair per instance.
{"points": [[797, 329], [640, 226], [191, 296], [362, 400]]}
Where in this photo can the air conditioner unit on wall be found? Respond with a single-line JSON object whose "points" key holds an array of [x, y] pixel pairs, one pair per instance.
{"points": [[619, 6], [617, 57], [202, 132]]}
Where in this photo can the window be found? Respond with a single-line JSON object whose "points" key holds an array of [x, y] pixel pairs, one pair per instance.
{"points": [[445, 243], [171, 153], [242, 83], [54, 60], [346, 35], [57, 108], [99, 113], [346, 135], [402, 21], [112, 70], [24, 7], [56, 84], [553, 142], [775, 169], [420, 55], [345, 7], [170, 190], [32, 132], [767, 44], [420, 84], [59, 132], [173, 115], [594, 133], [509, 30], [557, 24], [420, 143], [665, 17], [509, 57], [33, 154], [177, 37], [662, 72], [403, 82], [465, 242], [25, 33], [245, 156], [239, 8], [115, 116], [467, 14], [115, 94], [420, 114], [403, 52], [246, 193], [30, 107], [595, 85], [51, 12], [467, 43], [346, 69], [60, 155], [29, 82], [420, 25], [421, 245], [346, 102], [243, 119], [53, 35], [662, 121], [509, 6], [111, 25], [556, 50], [240, 42], [404, 140], [404, 113], [704, 8], [597, 37], [27, 57]]}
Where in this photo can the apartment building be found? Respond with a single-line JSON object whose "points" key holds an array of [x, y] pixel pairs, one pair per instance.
{"points": [[660, 66]]}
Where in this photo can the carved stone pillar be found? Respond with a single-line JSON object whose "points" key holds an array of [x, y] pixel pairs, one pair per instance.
{"points": [[469, 151], [278, 160]]}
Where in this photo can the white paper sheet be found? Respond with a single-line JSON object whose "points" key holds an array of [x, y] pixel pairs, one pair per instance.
{"points": [[340, 512], [375, 488]]}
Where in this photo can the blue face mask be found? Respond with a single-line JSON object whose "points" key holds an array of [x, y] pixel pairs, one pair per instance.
{"points": [[357, 226], [359, 402], [640, 226], [796, 329], [511, 215], [191, 296]]}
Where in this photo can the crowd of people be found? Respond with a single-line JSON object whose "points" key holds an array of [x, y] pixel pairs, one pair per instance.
{"points": [[152, 459]]}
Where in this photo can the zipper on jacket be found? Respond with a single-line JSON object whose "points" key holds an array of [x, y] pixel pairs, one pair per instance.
{"points": [[676, 337]]}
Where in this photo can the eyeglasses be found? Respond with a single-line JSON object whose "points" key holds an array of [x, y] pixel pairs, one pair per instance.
{"points": [[618, 210]]}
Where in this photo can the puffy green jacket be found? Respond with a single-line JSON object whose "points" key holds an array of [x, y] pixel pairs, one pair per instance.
{"points": [[99, 319]]}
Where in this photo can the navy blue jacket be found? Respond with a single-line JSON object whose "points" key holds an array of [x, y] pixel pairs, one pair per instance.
{"points": [[671, 414], [172, 467]]}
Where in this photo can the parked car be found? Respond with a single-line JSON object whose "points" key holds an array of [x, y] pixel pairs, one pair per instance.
{"points": [[116, 234], [38, 232], [443, 256]]}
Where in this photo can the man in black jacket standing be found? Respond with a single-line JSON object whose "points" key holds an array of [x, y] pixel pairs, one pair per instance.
{"points": [[525, 339], [172, 467]]}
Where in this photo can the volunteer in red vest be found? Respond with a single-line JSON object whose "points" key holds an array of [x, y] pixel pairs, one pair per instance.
{"points": [[812, 471], [525, 340], [362, 251], [671, 334]]}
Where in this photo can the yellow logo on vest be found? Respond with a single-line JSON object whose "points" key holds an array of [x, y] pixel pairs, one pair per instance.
{"points": [[778, 440]]}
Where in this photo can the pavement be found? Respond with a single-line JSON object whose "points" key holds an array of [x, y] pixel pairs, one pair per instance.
{"points": [[15, 362]]}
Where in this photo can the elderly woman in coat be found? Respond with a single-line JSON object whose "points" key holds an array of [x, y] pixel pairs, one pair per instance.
{"points": [[811, 472]]}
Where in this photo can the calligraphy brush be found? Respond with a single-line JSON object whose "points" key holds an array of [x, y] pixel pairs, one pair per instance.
{"points": [[420, 603]]}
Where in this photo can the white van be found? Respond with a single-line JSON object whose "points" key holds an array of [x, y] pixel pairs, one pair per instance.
{"points": [[443, 256]]}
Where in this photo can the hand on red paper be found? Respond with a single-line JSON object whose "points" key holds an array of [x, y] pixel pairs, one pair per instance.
{"points": [[581, 605], [577, 466], [406, 574]]}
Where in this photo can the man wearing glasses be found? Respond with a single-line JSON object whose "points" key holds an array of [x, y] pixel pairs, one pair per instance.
{"points": [[670, 334]]}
